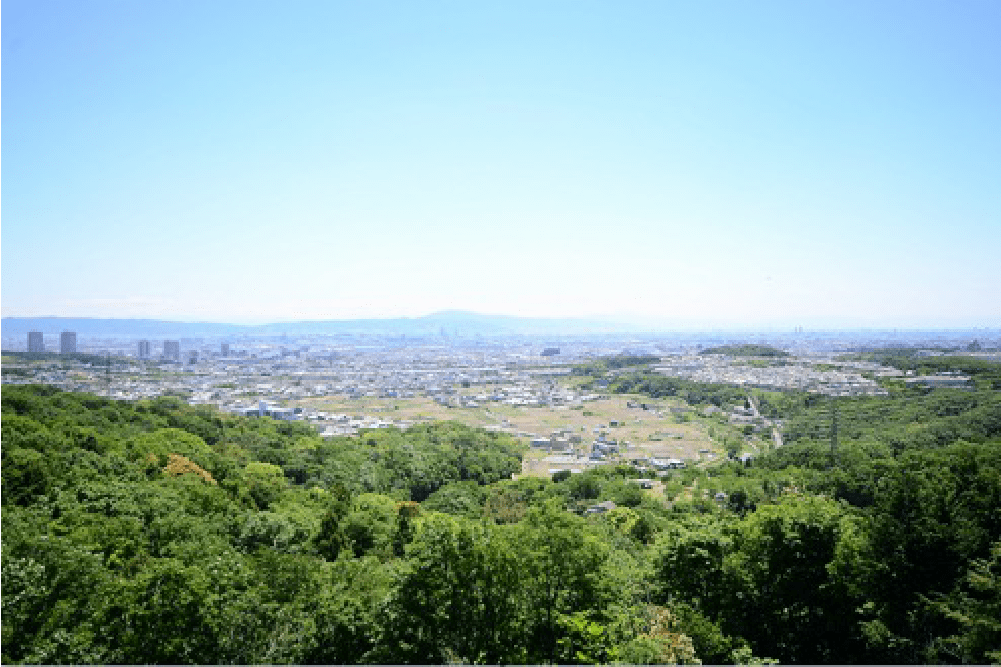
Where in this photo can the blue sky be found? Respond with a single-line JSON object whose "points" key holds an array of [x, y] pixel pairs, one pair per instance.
{"points": [[683, 164]]}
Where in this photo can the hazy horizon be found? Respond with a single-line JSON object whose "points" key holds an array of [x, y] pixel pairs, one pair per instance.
{"points": [[829, 165], [474, 320]]}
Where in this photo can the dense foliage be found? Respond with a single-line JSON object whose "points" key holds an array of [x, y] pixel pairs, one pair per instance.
{"points": [[92, 359], [156, 532], [600, 366], [985, 372], [692, 392], [746, 350]]}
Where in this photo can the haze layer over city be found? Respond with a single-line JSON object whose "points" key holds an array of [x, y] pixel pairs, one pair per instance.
{"points": [[343, 376]]}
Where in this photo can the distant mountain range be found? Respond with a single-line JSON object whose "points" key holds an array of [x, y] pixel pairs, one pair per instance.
{"points": [[448, 322]]}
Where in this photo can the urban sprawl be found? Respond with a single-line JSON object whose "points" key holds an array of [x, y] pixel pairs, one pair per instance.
{"points": [[279, 376]]}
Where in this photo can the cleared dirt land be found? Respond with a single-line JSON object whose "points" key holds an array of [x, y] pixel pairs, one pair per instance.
{"points": [[666, 429]]}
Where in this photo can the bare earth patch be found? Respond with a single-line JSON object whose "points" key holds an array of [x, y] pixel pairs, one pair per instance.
{"points": [[655, 431]]}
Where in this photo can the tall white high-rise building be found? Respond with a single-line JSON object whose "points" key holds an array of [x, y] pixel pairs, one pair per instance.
{"points": [[36, 343], [67, 342], [144, 349]]}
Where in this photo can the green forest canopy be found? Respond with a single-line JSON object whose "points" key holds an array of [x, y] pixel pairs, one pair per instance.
{"points": [[157, 532], [746, 350], [604, 364]]}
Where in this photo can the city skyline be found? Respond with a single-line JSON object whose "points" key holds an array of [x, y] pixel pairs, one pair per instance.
{"points": [[451, 327], [830, 165]]}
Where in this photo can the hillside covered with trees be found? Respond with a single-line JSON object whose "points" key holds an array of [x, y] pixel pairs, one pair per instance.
{"points": [[746, 350], [157, 532]]}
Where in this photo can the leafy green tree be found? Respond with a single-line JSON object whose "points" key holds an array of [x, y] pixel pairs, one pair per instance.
{"points": [[274, 530], [624, 493], [330, 538], [53, 594], [561, 476], [585, 486], [371, 525], [935, 514], [661, 643], [349, 612], [265, 482], [458, 598], [975, 607], [458, 498], [27, 474], [507, 502], [582, 640], [562, 563], [636, 524], [784, 599], [161, 616], [709, 642], [159, 445], [31, 461]]}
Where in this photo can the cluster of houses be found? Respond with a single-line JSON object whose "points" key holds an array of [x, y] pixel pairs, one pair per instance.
{"points": [[569, 442], [660, 465], [788, 374], [265, 409], [328, 424], [517, 394]]}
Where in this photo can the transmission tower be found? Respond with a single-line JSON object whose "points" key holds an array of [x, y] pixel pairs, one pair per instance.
{"points": [[834, 431]]}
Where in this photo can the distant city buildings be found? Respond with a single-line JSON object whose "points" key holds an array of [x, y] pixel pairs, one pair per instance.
{"points": [[36, 343], [253, 377], [172, 350], [67, 342]]}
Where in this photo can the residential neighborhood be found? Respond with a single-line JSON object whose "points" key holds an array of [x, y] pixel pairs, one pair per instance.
{"points": [[342, 385]]}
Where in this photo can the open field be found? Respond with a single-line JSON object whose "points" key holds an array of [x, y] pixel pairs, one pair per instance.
{"points": [[409, 409], [667, 429]]}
